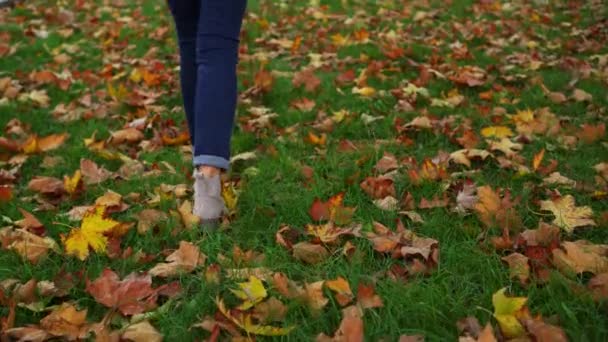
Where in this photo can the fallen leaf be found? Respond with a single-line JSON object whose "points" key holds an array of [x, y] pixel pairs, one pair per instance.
{"points": [[148, 218], [184, 260], [493, 210], [67, 322], [544, 332], [598, 285], [244, 321], [272, 310], [518, 266], [567, 215], [92, 173], [367, 297], [581, 256], [142, 332], [310, 253], [340, 286], [251, 292], [351, 327], [496, 132], [90, 234], [508, 311], [132, 295]]}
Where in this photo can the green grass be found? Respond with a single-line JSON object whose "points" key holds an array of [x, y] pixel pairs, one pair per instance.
{"points": [[469, 272]]}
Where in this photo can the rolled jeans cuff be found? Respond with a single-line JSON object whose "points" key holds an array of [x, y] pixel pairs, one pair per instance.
{"points": [[209, 160]]}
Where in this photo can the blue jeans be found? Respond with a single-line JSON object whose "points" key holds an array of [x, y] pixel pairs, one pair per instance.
{"points": [[208, 36]]}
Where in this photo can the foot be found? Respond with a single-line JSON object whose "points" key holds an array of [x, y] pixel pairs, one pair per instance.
{"points": [[208, 202]]}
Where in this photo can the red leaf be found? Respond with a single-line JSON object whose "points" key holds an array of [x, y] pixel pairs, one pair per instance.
{"points": [[132, 295]]}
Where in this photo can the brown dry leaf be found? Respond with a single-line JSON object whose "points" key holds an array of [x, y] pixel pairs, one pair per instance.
{"points": [[313, 295], [351, 327], [518, 266], [29, 246], [411, 338], [567, 215], [286, 287], [590, 133], [306, 78], [272, 310], [47, 186], [506, 146], [340, 286], [92, 173], [142, 332], [598, 286], [188, 218], [388, 203], [367, 297], [67, 322], [388, 162], [30, 223], [148, 218], [581, 256], [379, 187], [30, 334], [580, 95], [465, 156], [184, 260], [493, 210], [310, 253], [544, 332], [132, 295], [127, 135]]}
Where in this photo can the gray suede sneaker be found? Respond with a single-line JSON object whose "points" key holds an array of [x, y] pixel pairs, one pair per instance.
{"points": [[208, 202]]}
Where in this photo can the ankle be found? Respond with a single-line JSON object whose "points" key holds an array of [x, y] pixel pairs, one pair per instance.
{"points": [[208, 171]]}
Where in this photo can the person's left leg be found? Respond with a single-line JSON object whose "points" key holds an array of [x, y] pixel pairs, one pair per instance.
{"points": [[216, 90], [215, 100]]}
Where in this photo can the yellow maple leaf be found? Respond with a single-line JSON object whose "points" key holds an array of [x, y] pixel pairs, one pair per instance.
{"points": [[90, 234], [507, 311], [497, 132], [230, 196], [567, 215], [71, 183], [251, 292], [244, 322]]}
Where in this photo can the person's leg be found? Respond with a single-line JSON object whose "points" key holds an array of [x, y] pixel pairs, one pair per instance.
{"points": [[217, 46], [216, 90], [186, 16]]}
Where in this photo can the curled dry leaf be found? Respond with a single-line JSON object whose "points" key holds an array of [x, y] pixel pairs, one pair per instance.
{"points": [[184, 260], [378, 187], [142, 332], [67, 322], [340, 286], [310, 253]]}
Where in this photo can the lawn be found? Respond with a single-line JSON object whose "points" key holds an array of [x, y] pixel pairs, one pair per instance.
{"points": [[396, 164]]}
